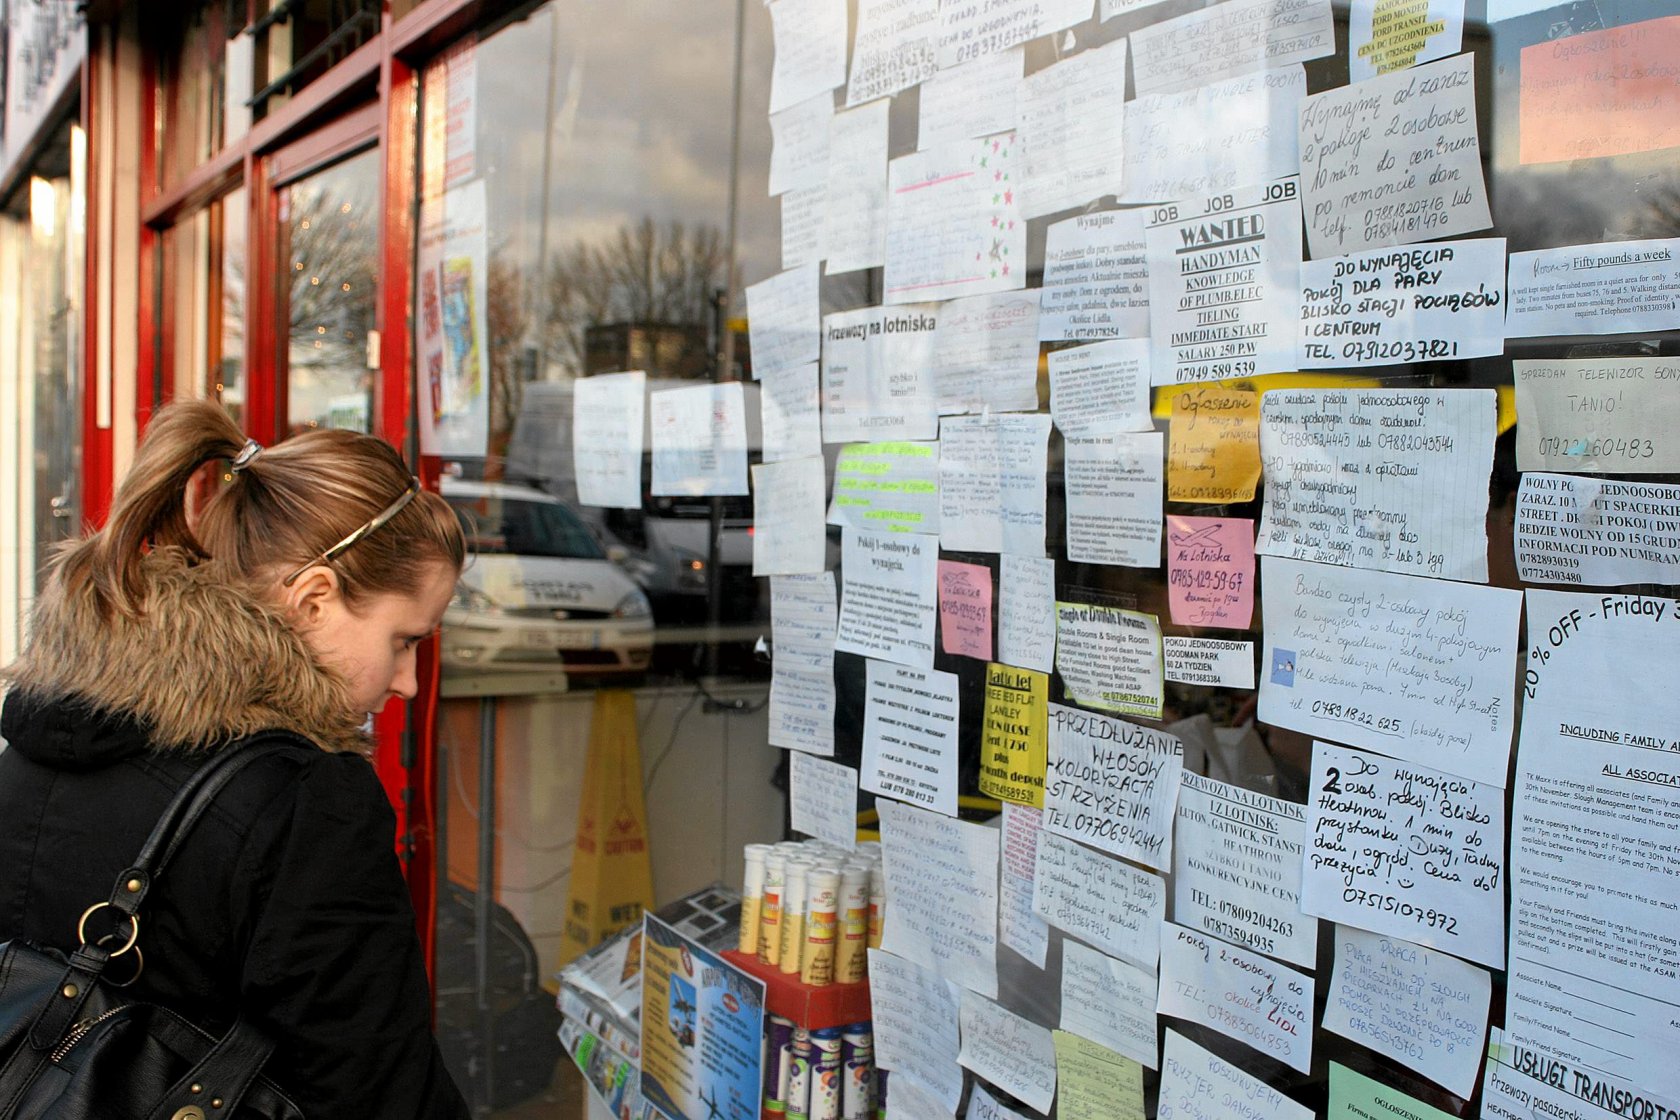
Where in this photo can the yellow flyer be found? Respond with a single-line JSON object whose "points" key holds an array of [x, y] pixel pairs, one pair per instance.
{"points": [[1013, 737], [1213, 444]]}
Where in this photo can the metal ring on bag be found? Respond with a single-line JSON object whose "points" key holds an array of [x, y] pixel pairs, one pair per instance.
{"points": [[139, 964], [133, 931]]}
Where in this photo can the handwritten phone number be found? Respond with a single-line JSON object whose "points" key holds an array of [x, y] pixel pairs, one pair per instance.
{"points": [[1388, 904], [1207, 580], [1600, 447]]}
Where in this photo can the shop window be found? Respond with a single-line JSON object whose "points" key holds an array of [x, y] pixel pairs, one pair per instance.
{"points": [[296, 41], [204, 84], [204, 280]]}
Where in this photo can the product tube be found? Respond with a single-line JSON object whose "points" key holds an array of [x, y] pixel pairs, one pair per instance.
{"points": [[752, 895], [793, 915], [770, 910], [822, 914]]}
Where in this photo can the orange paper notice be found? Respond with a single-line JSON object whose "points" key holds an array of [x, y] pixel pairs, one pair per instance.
{"points": [[1213, 450], [1604, 93]]}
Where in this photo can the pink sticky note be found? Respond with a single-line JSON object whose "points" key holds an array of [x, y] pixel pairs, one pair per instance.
{"points": [[1210, 571], [965, 609]]}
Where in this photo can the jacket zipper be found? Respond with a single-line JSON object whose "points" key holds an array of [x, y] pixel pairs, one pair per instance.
{"points": [[79, 1032]]}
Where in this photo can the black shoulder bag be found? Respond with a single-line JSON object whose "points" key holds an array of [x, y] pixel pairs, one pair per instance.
{"points": [[72, 1047]]}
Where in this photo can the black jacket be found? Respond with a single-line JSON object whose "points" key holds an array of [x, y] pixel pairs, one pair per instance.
{"points": [[286, 903]]}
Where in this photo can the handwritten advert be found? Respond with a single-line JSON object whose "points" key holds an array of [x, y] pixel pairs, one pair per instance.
{"points": [[954, 223], [823, 798], [1391, 479], [1110, 1002], [1112, 784], [1393, 160], [1096, 278], [789, 537], [874, 375], [789, 414], [983, 1106], [802, 231], [1406, 851], [855, 201], [1110, 658], [1237, 873], [1213, 662], [894, 48], [992, 483], [782, 320], [1022, 930], [943, 915], [974, 99], [607, 419], [1100, 388], [916, 1017], [910, 736], [890, 487], [1572, 105], [1213, 446], [810, 41], [1095, 1082], [799, 145], [1197, 1084], [1013, 735], [1103, 901], [1224, 283], [1232, 38], [1214, 137], [699, 440], [1421, 669], [1027, 612], [1386, 306], [891, 596], [1210, 571], [802, 621], [1114, 485], [985, 354], [965, 609], [1013, 1053], [1243, 995], [1424, 1009], [1594, 531], [1071, 131], [1389, 35], [971, 29], [1621, 287], [1598, 415]]}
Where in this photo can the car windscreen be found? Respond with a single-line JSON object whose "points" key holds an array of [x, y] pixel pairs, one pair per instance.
{"points": [[517, 527]]}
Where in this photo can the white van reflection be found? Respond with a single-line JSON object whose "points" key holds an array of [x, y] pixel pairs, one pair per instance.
{"points": [[539, 590]]}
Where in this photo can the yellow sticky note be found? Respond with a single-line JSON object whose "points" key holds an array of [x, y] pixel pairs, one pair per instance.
{"points": [[1353, 1096], [1095, 1083], [1012, 758], [1213, 444]]}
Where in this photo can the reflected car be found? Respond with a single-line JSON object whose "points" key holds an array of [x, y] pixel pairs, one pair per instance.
{"points": [[539, 590]]}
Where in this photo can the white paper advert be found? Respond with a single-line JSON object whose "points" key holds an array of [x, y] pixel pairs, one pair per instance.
{"points": [[895, 47], [699, 440], [1115, 482], [1027, 612], [783, 325], [855, 227], [1013, 1053], [983, 1106], [1421, 669], [1101, 388], [985, 353], [974, 99], [875, 379], [789, 537], [971, 29], [943, 914], [1103, 901], [802, 227], [1110, 1002], [607, 423], [1598, 415], [1023, 931], [991, 483], [910, 736], [1597, 532], [1072, 123], [1520, 1083], [799, 145], [1112, 784], [810, 41], [1096, 278], [1237, 993], [1622, 287], [1228, 39], [802, 620], [822, 797], [916, 1016], [1215, 137], [1197, 1084], [790, 415], [954, 223], [891, 596], [1110, 658], [1215, 662]]}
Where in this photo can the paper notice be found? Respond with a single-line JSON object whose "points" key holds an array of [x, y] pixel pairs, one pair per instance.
{"points": [[799, 145], [912, 1102], [1354, 1096], [974, 99], [1393, 160], [1594, 858], [789, 537], [894, 47], [607, 421], [1391, 479], [1386, 306], [1072, 115], [1384, 37], [954, 226], [875, 379], [1573, 108], [1213, 447], [910, 736], [1013, 1053], [1426, 1010], [1027, 612], [892, 589], [1023, 931], [1114, 484], [1406, 851], [1421, 669], [1110, 658], [1096, 278], [1110, 1002], [1096, 1083], [992, 483], [1520, 1083], [1112, 784], [1232, 38], [943, 913], [1197, 1084], [782, 320], [823, 798], [1237, 874], [1598, 415], [965, 609], [802, 620], [789, 413], [1622, 287], [1224, 283], [802, 228], [855, 227], [1013, 735], [1237, 993], [985, 353], [970, 29], [810, 40], [1215, 137], [916, 1016], [1101, 388], [1210, 572], [1103, 901], [887, 487], [1594, 531], [1215, 662], [699, 441], [983, 1106]]}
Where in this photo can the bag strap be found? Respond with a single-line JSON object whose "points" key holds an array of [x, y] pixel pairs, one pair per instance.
{"points": [[221, 1078]]}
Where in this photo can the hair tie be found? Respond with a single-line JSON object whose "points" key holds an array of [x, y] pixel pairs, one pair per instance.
{"points": [[247, 455]]}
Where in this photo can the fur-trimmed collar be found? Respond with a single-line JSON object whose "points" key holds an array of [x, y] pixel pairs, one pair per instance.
{"points": [[206, 661]]}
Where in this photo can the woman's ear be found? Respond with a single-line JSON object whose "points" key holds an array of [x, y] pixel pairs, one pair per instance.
{"points": [[314, 597]]}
